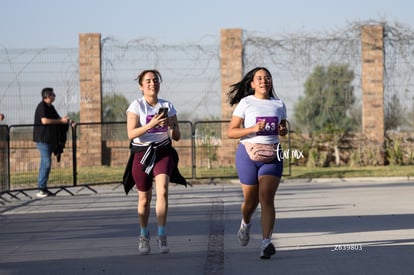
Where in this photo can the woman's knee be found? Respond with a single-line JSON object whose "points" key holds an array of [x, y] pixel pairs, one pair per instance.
{"points": [[144, 198], [251, 202]]}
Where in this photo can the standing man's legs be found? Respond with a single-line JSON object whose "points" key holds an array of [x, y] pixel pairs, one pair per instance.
{"points": [[44, 169]]}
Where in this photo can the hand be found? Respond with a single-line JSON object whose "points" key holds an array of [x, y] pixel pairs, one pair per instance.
{"points": [[163, 121], [65, 120], [283, 129], [72, 123], [158, 119], [260, 125]]}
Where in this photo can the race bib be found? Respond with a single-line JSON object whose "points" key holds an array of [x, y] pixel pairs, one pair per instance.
{"points": [[271, 125]]}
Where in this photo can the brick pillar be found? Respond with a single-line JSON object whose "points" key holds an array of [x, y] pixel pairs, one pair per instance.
{"points": [[90, 142], [231, 64], [373, 83]]}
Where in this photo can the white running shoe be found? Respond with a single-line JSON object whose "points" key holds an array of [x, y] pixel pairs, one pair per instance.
{"points": [[144, 247], [162, 244], [244, 235], [44, 194]]}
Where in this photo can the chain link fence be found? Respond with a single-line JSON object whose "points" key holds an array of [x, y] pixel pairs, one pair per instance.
{"points": [[191, 74]]}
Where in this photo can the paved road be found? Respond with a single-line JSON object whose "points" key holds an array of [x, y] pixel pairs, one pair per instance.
{"points": [[363, 226]]}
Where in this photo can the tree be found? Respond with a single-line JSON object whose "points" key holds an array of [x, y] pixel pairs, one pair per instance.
{"points": [[394, 111], [114, 107], [75, 116], [327, 101]]}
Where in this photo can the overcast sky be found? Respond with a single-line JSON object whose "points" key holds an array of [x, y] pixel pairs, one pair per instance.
{"points": [[57, 23]]}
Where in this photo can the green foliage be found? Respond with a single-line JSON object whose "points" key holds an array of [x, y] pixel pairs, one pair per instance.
{"points": [[328, 99], [314, 158], [395, 153], [114, 107], [75, 116], [355, 159], [208, 137], [394, 111]]}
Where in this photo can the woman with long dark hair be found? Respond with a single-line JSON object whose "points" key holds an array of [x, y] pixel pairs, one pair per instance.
{"points": [[258, 120]]}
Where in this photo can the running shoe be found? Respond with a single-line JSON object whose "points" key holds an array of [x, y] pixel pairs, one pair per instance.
{"points": [[41, 194], [162, 244], [243, 235], [144, 247], [45, 193], [267, 251]]}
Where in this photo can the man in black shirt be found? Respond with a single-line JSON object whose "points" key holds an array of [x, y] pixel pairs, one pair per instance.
{"points": [[46, 133]]}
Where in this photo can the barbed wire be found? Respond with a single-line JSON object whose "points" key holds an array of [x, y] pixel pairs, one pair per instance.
{"points": [[191, 71]]}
